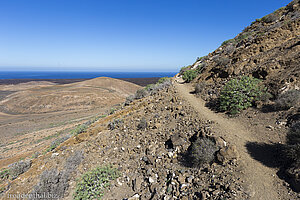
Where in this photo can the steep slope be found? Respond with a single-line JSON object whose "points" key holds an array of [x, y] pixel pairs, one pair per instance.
{"points": [[268, 49]]}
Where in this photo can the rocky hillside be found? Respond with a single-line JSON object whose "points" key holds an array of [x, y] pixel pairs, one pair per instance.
{"points": [[149, 143], [268, 49]]}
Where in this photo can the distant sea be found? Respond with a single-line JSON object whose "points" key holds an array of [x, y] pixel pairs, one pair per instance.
{"points": [[79, 75]]}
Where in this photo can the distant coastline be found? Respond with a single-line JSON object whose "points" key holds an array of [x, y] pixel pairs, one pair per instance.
{"points": [[139, 81], [79, 75]]}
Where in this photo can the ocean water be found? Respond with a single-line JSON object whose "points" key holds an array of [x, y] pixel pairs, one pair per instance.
{"points": [[79, 75]]}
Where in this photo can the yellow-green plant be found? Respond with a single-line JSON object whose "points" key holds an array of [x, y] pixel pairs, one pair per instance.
{"points": [[189, 75], [239, 94], [92, 184]]}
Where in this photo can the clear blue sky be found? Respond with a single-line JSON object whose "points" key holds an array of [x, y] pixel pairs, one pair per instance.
{"points": [[119, 35]]}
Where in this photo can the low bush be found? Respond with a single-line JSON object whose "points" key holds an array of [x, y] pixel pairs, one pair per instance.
{"points": [[18, 168], [239, 38], [79, 129], [189, 75], [115, 124], [199, 87], [200, 58], [202, 151], [56, 182], [150, 89], [92, 184], [57, 142], [228, 42], [270, 18], [184, 69], [293, 137], [4, 174], [142, 124], [52, 182], [163, 79], [288, 99], [221, 61], [128, 100], [239, 94], [160, 85], [141, 93], [292, 153]]}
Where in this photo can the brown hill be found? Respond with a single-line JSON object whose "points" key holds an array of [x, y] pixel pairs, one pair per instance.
{"points": [[98, 92]]}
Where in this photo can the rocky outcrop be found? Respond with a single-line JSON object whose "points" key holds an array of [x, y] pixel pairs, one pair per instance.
{"points": [[268, 49]]}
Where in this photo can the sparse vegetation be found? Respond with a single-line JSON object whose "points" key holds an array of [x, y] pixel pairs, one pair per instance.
{"points": [[199, 87], [239, 94], [183, 69], [142, 125], [189, 75], [228, 41], [292, 151], [4, 174], [202, 151], [35, 155], [270, 18], [92, 184], [293, 137], [141, 93], [57, 142], [221, 61], [150, 89], [163, 79], [200, 58], [239, 38], [18, 168], [115, 124], [288, 99], [56, 182]]}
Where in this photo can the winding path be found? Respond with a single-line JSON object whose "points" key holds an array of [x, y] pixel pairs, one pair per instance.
{"points": [[259, 178]]}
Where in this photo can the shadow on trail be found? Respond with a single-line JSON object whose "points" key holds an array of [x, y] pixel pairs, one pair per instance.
{"points": [[273, 156], [267, 154]]}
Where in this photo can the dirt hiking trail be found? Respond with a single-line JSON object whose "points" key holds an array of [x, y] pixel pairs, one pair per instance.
{"points": [[259, 179]]}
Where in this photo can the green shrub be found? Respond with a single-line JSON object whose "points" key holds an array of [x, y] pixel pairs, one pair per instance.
{"points": [[4, 174], [79, 129], [227, 42], [92, 184], [189, 75], [57, 142], [288, 99], [239, 94], [183, 69], [163, 79], [149, 86], [200, 58], [202, 151]]}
